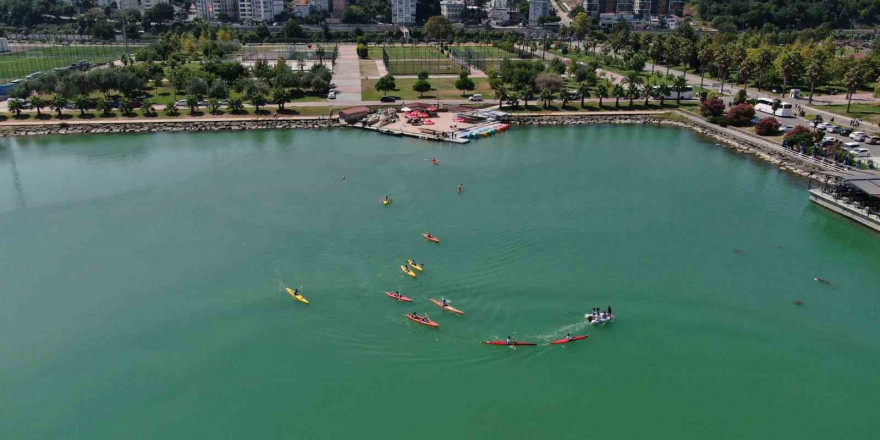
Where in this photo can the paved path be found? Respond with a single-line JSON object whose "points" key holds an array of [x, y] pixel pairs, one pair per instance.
{"points": [[347, 75]]}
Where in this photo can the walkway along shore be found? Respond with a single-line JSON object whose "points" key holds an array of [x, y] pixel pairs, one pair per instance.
{"points": [[740, 141]]}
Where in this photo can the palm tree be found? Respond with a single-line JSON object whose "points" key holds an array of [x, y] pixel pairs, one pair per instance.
{"points": [[147, 108], [82, 103], [618, 92], [679, 84], [192, 102], [103, 106], [546, 96], [601, 91], [37, 103], [58, 103], [850, 81], [662, 90], [301, 63], [15, 106], [632, 80], [647, 92], [705, 56], [584, 91], [320, 54]]}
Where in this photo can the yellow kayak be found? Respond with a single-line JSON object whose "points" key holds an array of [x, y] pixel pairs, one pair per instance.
{"points": [[386, 202], [413, 265], [407, 271], [297, 296]]}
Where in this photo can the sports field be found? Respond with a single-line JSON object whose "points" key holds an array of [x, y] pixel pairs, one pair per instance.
{"points": [[481, 52], [27, 59], [410, 60], [252, 52]]}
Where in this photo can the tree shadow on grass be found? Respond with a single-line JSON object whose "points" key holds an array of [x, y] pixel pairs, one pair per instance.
{"points": [[85, 116], [287, 111], [22, 117]]}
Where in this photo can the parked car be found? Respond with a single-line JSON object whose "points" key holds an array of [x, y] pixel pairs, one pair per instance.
{"points": [[785, 128], [476, 97], [873, 140], [844, 131], [850, 146], [180, 104], [387, 99], [857, 134], [331, 95], [822, 126], [755, 120], [861, 152], [827, 141]]}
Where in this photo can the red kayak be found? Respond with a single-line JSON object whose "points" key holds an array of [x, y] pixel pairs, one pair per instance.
{"points": [[423, 321], [398, 296], [435, 162], [565, 341], [505, 343], [430, 237]]}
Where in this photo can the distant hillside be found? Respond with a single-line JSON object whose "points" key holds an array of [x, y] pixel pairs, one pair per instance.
{"points": [[785, 14]]}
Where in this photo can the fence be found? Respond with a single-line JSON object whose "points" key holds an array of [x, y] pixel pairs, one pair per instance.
{"points": [[273, 51], [410, 60], [25, 58], [483, 57]]}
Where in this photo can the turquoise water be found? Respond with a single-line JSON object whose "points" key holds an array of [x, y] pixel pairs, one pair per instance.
{"points": [[140, 290]]}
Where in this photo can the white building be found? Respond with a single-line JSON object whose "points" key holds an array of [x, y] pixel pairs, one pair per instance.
{"points": [[674, 22], [127, 4], [148, 4], [609, 19], [259, 10], [319, 4], [642, 8], [301, 8], [403, 12], [538, 9], [209, 10], [451, 9], [499, 16]]}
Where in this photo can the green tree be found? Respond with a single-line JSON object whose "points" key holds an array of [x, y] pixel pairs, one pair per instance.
{"points": [[236, 105], [386, 84], [280, 97], [423, 74], [790, 63], [58, 103], [148, 109], [632, 81], [602, 91], [464, 83], [103, 106], [815, 74], [679, 84], [258, 101], [437, 28], [16, 106], [214, 106], [705, 56], [421, 86], [662, 91], [851, 81], [37, 103], [82, 103], [618, 92], [192, 101], [126, 107], [584, 91]]}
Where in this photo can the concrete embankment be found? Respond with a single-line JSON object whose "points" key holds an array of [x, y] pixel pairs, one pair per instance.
{"points": [[155, 126], [730, 138]]}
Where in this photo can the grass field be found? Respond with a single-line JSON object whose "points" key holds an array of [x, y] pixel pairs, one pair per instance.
{"points": [[445, 66], [17, 65], [442, 88], [865, 112], [482, 52], [286, 51]]}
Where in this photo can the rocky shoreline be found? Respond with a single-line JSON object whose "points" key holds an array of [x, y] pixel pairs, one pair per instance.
{"points": [[735, 141], [166, 126], [739, 142]]}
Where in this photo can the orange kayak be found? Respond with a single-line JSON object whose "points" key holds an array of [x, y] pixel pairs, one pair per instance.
{"points": [[446, 307], [430, 237], [423, 321]]}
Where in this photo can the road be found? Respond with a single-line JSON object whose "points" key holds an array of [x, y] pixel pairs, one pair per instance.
{"points": [[562, 12]]}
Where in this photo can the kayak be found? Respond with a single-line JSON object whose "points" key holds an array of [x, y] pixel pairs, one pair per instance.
{"points": [[435, 162], [297, 296], [387, 202], [415, 266], [398, 296], [430, 237], [565, 341], [425, 321], [407, 271], [505, 343], [446, 307]]}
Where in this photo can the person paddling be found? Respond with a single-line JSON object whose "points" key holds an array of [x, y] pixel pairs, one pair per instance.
{"points": [[509, 341], [459, 188], [568, 337], [445, 302]]}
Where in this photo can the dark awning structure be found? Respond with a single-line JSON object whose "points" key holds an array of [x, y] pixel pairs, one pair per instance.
{"points": [[867, 182]]}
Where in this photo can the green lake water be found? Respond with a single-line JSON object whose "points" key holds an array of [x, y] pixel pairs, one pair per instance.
{"points": [[140, 290]]}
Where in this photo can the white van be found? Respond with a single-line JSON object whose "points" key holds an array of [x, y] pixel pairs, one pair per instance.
{"points": [[850, 146], [476, 97]]}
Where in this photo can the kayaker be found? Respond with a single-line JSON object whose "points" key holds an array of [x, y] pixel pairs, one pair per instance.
{"points": [[509, 341], [444, 302], [568, 337], [609, 310], [459, 188], [589, 318]]}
